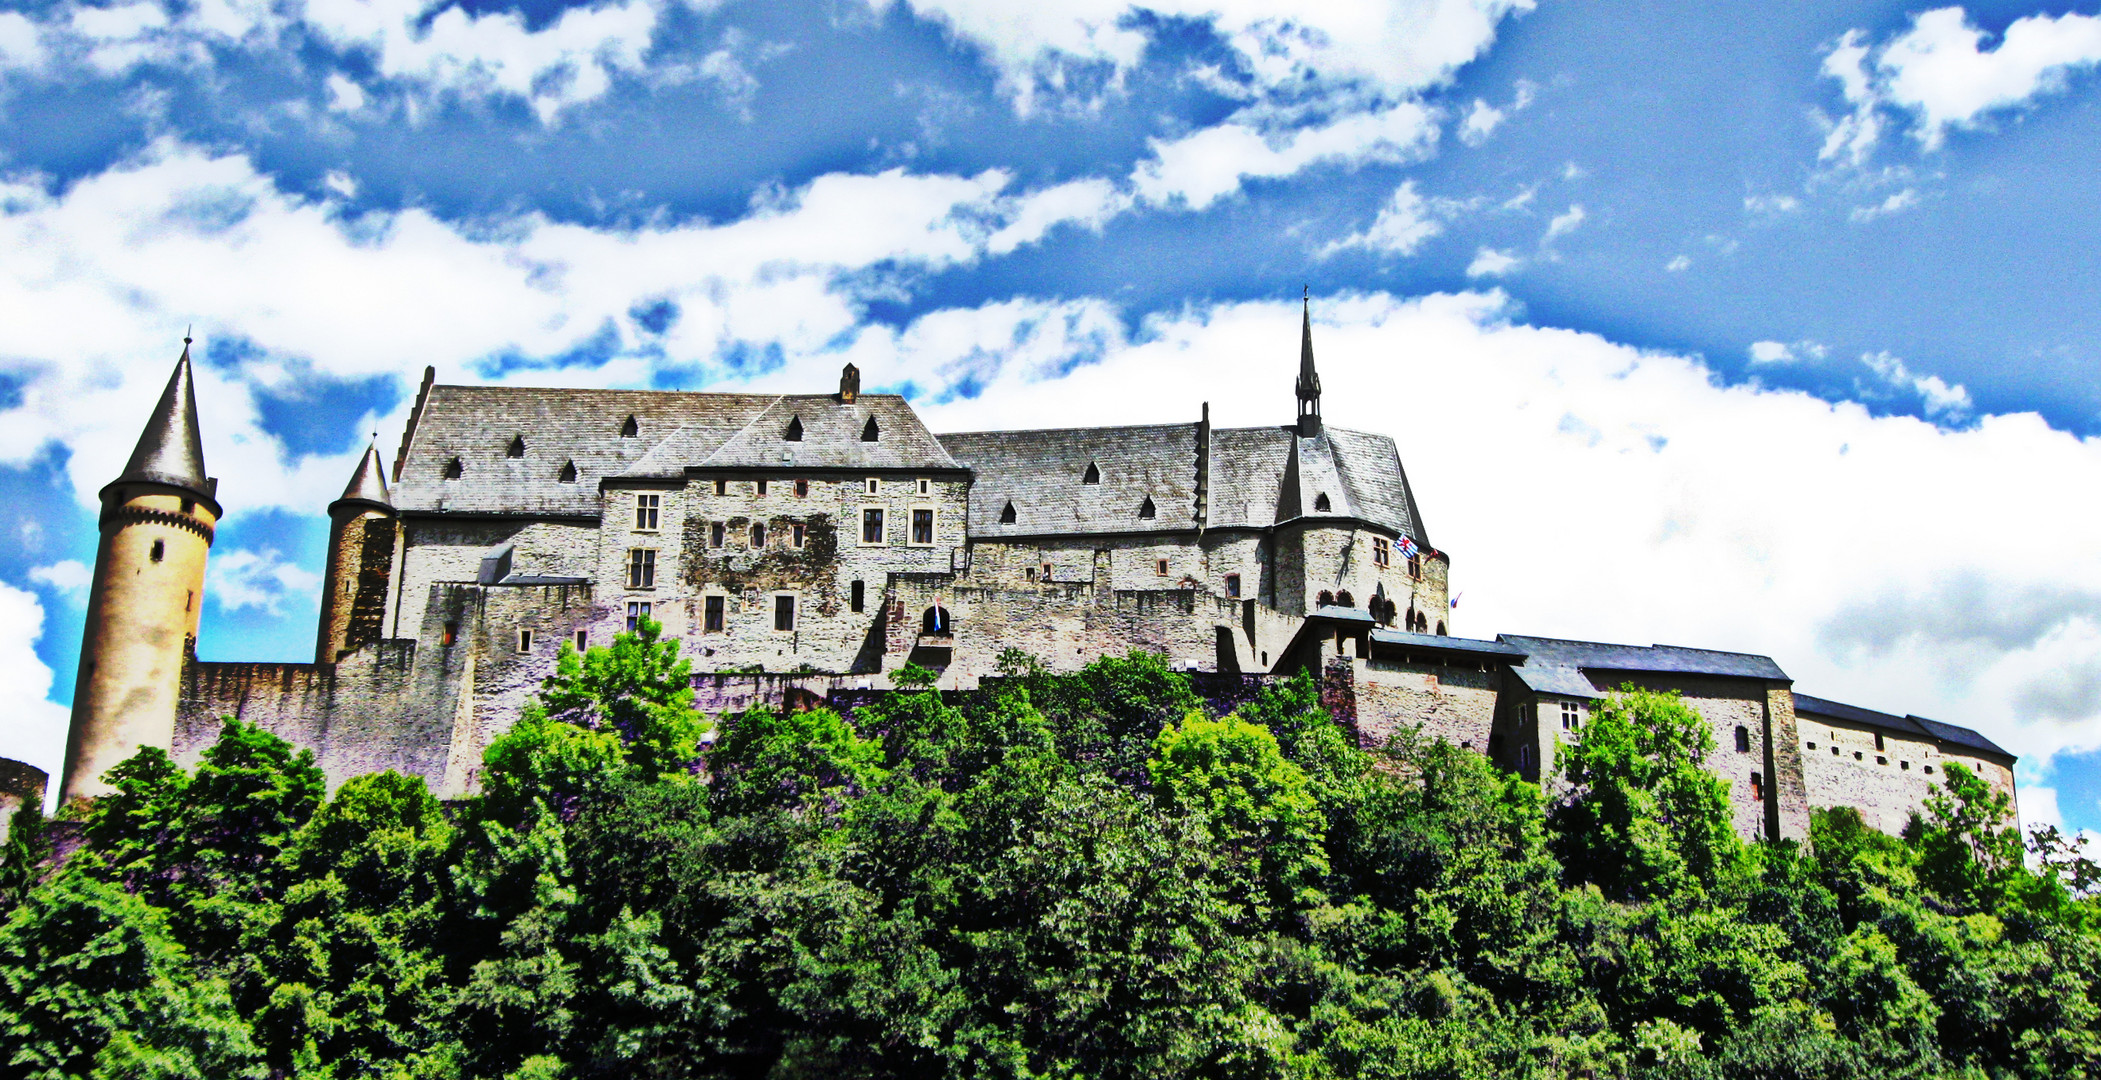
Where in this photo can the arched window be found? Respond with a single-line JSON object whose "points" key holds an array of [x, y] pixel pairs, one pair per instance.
{"points": [[935, 621], [630, 429], [1743, 739], [794, 432], [1326, 599], [1006, 515], [569, 472], [1094, 475], [1344, 599], [1440, 628], [870, 432], [453, 469], [1321, 503], [1145, 509], [517, 446]]}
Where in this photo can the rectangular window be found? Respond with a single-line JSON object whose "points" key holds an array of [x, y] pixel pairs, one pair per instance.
{"points": [[758, 535], [1381, 551], [926, 487], [452, 633], [1046, 571], [857, 595], [583, 640], [711, 617], [717, 533], [1032, 573], [871, 485], [797, 534], [784, 613], [1415, 567], [637, 610], [1571, 716], [641, 568], [1160, 567], [1878, 740], [802, 489], [872, 525], [760, 487], [525, 640], [922, 526], [646, 512], [722, 487], [1233, 586], [1757, 788]]}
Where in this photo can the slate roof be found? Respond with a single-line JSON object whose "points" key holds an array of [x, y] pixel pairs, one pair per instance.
{"points": [[1438, 642], [169, 450], [1915, 726], [369, 483], [1557, 666], [675, 431]]}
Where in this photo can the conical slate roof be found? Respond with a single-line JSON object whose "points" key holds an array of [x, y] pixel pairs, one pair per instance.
{"points": [[170, 451], [1309, 380], [369, 483]]}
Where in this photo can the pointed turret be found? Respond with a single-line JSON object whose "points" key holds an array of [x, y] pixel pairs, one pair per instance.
{"points": [[369, 483], [170, 451], [361, 538], [1309, 379]]}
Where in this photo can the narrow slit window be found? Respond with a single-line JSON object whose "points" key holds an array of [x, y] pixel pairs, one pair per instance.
{"points": [[1160, 567], [722, 487], [797, 534], [926, 487], [871, 486], [525, 640], [758, 535], [1757, 787], [1878, 740], [857, 596], [759, 487], [1233, 586], [583, 641], [1743, 739], [160, 549], [452, 634], [717, 533]]}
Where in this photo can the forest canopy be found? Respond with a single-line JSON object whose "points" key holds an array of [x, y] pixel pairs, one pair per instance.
{"points": [[1057, 875]]}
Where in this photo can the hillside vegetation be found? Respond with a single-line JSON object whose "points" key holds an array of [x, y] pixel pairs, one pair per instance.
{"points": [[1078, 875]]}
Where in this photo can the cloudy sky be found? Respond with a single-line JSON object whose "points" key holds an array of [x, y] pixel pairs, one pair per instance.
{"points": [[1772, 334]]}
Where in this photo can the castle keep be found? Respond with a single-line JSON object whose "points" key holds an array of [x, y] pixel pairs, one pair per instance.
{"points": [[803, 546]]}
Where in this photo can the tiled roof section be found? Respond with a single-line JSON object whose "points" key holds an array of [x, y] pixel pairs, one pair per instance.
{"points": [[1247, 470], [1311, 476], [1806, 705], [169, 450], [1378, 487], [1961, 736], [831, 438], [1043, 473], [476, 425], [369, 483], [1438, 642], [1556, 665]]}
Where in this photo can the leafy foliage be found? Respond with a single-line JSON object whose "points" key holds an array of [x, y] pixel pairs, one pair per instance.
{"points": [[1053, 876]]}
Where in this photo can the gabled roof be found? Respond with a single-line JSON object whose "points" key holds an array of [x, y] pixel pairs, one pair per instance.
{"points": [[1917, 727], [1557, 666], [831, 437], [1044, 474], [170, 451], [1966, 738]]}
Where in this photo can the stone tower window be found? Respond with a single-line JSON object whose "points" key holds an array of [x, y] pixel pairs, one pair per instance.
{"points": [[1094, 475], [630, 429], [160, 548], [569, 472], [1757, 788], [453, 469], [715, 534], [1145, 509], [1006, 515], [935, 621], [1320, 502], [1878, 740], [758, 535], [870, 432], [1326, 599], [1160, 567], [794, 432], [784, 613], [517, 447], [711, 616], [1440, 628], [802, 489], [1344, 599], [525, 640], [1743, 739], [1233, 586], [857, 595]]}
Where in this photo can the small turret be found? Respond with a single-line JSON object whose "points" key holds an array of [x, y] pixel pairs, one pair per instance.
{"points": [[361, 540], [147, 595], [849, 384], [1309, 380]]}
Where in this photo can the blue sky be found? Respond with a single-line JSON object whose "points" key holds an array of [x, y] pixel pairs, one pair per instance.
{"points": [[1775, 334]]}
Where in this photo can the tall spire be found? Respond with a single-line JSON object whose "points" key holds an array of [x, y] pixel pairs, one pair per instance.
{"points": [[369, 483], [1309, 380], [170, 451]]}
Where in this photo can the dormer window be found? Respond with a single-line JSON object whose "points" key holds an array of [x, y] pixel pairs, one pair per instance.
{"points": [[569, 472], [1145, 509], [1006, 515], [517, 446], [1321, 503], [630, 429], [794, 432], [453, 469], [870, 432], [1094, 475]]}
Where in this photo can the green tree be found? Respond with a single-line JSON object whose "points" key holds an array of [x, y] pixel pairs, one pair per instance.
{"points": [[1258, 806], [1969, 846], [638, 687]]}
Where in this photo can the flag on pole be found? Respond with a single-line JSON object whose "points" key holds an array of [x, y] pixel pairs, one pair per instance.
{"points": [[1408, 548], [1455, 599]]}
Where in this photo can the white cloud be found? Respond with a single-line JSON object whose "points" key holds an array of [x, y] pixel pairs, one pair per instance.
{"points": [[35, 730], [1896, 203], [1402, 225], [262, 580], [1197, 170], [20, 48], [1488, 262], [1940, 73], [1938, 398], [344, 95], [1780, 352], [1564, 223], [1679, 264], [67, 576], [1481, 121], [1088, 204], [1771, 204]]}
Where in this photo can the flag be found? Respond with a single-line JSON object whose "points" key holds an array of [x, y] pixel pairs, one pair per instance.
{"points": [[1455, 599], [1408, 548]]}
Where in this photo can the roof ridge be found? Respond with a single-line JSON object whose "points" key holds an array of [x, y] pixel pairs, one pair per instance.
{"points": [[749, 425]]}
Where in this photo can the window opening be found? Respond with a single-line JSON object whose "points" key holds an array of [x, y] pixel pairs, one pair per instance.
{"points": [[1233, 586], [716, 533], [189, 506], [525, 640], [802, 489], [722, 487], [857, 596], [637, 610], [646, 511], [1524, 759], [1160, 567], [1904, 765], [1145, 509], [1812, 746], [1571, 716], [922, 526], [784, 613], [1878, 740], [189, 599], [1344, 599], [935, 621], [794, 432], [568, 472], [926, 487], [1743, 739], [160, 548], [641, 568], [453, 469], [1927, 769], [1006, 514], [758, 534], [452, 633], [1757, 788], [797, 534], [583, 640], [872, 525], [711, 614], [1320, 502], [1046, 571], [630, 429], [1381, 551], [759, 487], [1326, 598], [870, 432], [1094, 475], [517, 446], [1440, 628], [1031, 573]]}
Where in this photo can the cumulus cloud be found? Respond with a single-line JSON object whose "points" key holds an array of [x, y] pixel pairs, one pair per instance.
{"points": [[20, 48], [1480, 122], [1564, 223], [69, 577], [1488, 262], [1939, 399], [1896, 203], [35, 731], [1402, 225], [261, 580], [1780, 352], [1197, 170], [1940, 74]]}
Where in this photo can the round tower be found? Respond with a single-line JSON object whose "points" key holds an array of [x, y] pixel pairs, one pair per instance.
{"points": [[147, 593], [360, 562]]}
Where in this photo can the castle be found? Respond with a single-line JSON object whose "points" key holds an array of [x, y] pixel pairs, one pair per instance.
{"points": [[802, 547]]}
